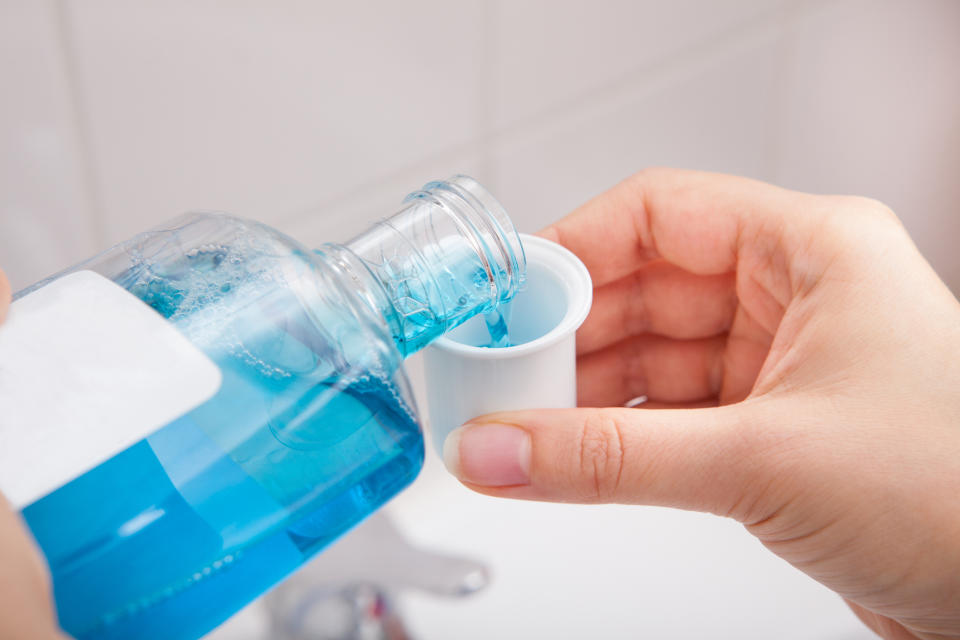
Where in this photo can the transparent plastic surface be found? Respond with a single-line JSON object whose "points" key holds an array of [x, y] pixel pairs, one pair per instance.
{"points": [[313, 427], [451, 253]]}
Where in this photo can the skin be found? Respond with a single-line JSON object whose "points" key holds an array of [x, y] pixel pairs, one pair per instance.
{"points": [[26, 605], [803, 365], [801, 359]]}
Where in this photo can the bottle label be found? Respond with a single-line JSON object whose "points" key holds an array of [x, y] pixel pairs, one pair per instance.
{"points": [[86, 370]]}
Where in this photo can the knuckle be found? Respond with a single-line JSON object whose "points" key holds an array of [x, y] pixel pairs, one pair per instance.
{"points": [[875, 209], [862, 210], [857, 228], [601, 455], [643, 174], [639, 180]]}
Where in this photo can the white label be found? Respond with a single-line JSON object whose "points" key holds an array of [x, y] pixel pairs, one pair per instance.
{"points": [[86, 370]]}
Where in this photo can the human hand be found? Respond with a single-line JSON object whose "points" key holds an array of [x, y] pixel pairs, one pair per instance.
{"points": [[26, 607], [805, 362]]}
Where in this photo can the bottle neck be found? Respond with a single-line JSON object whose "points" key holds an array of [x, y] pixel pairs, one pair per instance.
{"points": [[449, 254]]}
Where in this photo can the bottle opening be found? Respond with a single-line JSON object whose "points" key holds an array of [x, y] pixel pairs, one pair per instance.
{"points": [[451, 253], [497, 228], [553, 304]]}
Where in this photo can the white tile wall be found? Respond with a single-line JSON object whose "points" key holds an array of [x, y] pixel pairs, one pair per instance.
{"points": [[548, 54], [872, 106], [341, 218], [271, 107], [45, 214], [561, 160], [319, 117]]}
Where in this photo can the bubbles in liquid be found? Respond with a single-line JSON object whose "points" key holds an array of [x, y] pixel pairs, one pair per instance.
{"points": [[189, 290], [290, 453]]}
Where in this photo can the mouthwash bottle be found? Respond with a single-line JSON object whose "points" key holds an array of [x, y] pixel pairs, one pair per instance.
{"points": [[264, 416]]}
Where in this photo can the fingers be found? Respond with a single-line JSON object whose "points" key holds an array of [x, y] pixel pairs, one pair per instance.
{"points": [[882, 626], [662, 369], [649, 405], [4, 295], [747, 347], [701, 459], [696, 221], [660, 298], [26, 608]]}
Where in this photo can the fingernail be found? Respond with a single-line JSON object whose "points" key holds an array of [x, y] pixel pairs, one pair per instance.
{"points": [[489, 454]]}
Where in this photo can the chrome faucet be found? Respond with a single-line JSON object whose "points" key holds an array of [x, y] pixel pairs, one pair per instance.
{"points": [[349, 591]]}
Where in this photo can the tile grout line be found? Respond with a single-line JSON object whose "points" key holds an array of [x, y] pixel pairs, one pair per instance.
{"points": [[487, 86], [786, 53], [625, 85], [404, 174], [91, 189], [628, 82], [772, 144], [480, 143]]}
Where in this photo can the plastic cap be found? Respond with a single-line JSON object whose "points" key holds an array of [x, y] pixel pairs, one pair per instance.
{"points": [[465, 379]]}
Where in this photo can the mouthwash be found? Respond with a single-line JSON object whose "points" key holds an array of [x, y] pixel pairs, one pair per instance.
{"points": [[498, 322], [312, 428]]}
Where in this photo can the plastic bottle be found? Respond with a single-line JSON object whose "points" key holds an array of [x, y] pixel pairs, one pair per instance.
{"points": [[312, 426]]}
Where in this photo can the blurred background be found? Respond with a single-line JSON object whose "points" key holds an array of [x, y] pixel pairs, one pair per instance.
{"points": [[318, 117]]}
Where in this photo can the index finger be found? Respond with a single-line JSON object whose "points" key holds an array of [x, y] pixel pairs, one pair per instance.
{"points": [[695, 220]]}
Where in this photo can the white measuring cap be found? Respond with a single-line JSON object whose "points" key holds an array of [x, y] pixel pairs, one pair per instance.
{"points": [[466, 380]]}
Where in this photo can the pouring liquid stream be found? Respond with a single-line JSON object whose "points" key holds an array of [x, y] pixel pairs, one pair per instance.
{"points": [[498, 322]]}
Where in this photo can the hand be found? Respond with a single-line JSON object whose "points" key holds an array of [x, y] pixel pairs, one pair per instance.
{"points": [[26, 607], [808, 360]]}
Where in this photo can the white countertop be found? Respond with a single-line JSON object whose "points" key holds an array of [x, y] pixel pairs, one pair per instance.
{"points": [[572, 571], [602, 571], [611, 571]]}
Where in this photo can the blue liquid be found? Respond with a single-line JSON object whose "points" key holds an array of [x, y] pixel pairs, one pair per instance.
{"points": [[497, 325], [170, 537], [425, 307]]}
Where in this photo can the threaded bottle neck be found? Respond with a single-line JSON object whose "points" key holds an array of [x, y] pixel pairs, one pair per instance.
{"points": [[449, 254], [485, 222]]}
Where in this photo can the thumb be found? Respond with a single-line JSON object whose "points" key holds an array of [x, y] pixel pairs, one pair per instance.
{"points": [[700, 459]]}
